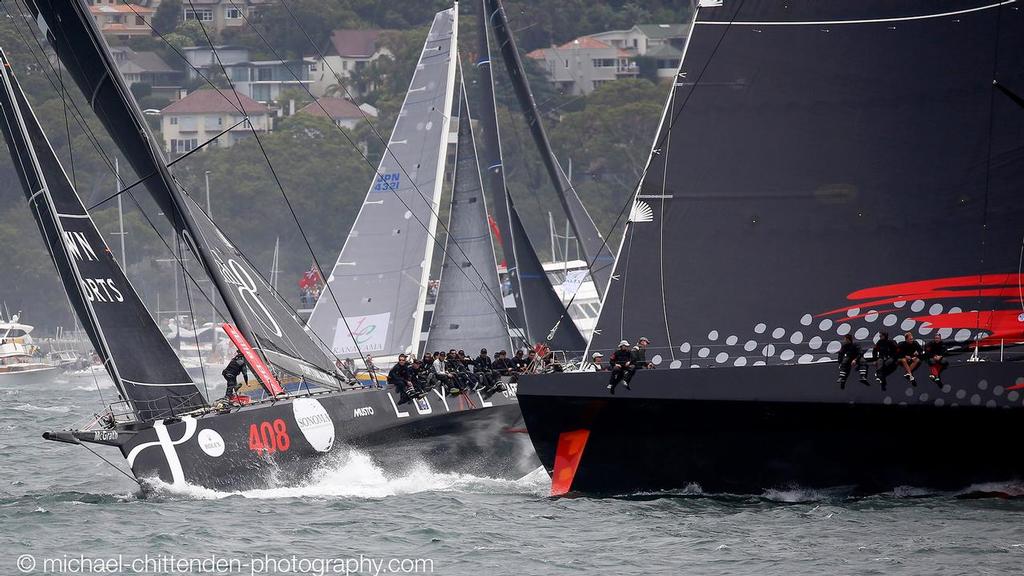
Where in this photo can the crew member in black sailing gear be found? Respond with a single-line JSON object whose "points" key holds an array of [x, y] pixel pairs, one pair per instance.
{"points": [[503, 365], [884, 354], [402, 379], [519, 361], [640, 354], [482, 366], [909, 354], [849, 355], [622, 366], [236, 366], [935, 352]]}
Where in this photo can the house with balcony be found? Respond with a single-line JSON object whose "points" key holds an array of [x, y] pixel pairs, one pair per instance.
{"points": [[580, 66], [203, 114], [662, 43], [221, 14], [347, 51], [342, 112], [118, 20], [261, 80]]}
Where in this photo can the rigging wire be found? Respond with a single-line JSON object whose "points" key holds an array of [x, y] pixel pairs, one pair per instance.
{"points": [[280, 186], [192, 315], [988, 176], [112, 465]]}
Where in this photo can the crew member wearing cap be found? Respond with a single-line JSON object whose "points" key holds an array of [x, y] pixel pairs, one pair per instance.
{"points": [[622, 366], [597, 361], [640, 354]]}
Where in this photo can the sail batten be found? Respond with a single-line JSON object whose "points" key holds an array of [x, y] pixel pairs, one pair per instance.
{"points": [[381, 277]]}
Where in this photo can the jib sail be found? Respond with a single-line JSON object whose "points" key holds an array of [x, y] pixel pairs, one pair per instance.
{"points": [[468, 312]]}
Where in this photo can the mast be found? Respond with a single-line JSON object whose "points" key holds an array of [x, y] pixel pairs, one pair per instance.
{"points": [[592, 245], [259, 314]]}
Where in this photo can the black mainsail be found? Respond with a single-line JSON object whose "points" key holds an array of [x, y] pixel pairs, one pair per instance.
{"points": [[253, 305], [592, 245], [468, 312], [135, 353], [796, 135]]}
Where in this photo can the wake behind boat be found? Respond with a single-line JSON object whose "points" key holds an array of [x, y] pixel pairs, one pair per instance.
{"points": [[164, 426], [822, 171]]}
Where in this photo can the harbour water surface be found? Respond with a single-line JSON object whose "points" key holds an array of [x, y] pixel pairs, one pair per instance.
{"points": [[60, 503]]}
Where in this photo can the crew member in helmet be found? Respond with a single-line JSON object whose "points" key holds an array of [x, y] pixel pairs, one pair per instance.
{"points": [[236, 366], [622, 366]]}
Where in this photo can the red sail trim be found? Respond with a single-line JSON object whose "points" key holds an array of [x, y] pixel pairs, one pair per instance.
{"points": [[263, 373], [1005, 286], [1003, 326], [567, 460]]}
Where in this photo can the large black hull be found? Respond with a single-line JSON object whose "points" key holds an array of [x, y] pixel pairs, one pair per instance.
{"points": [[748, 430], [284, 442]]}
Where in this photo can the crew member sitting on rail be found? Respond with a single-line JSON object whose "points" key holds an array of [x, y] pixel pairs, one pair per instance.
{"points": [[622, 367], [851, 354], [236, 366], [935, 352], [482, 365], [597, 362], [640, 354], [402, 379], [909, 354], [519, 361], [884, 354], [440, 372], [503, 365]]}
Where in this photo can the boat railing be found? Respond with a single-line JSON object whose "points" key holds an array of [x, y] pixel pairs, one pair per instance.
{"points": [[785, 352]]}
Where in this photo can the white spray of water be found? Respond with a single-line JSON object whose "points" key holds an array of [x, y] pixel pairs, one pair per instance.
{"points": [[355, 475]]}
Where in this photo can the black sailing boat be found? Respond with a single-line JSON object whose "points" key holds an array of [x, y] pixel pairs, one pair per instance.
{"points": [[163, 426], [821, 170]]}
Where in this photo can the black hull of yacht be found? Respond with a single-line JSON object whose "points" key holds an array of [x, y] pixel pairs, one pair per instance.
{"points": [[744, 431], [283, 443]]}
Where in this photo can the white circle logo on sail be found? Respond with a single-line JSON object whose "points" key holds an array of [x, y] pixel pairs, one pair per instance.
{"points": [[315, 423], [211, 442]]}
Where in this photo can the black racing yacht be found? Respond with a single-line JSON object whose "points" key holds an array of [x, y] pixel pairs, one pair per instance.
{"points": [[822, 170], [164, 426]]}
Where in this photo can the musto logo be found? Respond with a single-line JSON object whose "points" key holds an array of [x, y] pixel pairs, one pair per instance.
{"points": [[315, 423]]}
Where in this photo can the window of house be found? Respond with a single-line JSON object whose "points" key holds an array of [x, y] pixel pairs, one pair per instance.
{"points": [[603, 62], [201, 14], [183, 145], [174, 120], [232, 13]]}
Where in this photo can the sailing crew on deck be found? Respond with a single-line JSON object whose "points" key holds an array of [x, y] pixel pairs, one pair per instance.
{"points": [[640, 354], [935, 352], [482, 365], [622, 366], [519, 361], [851, 354], [884, 354], [597, 362], [237, 365], [440, 372]]}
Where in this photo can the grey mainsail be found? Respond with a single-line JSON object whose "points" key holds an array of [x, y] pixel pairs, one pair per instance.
{"points": [[468, 312], [380, 279], [135, 353], [254, 307]]}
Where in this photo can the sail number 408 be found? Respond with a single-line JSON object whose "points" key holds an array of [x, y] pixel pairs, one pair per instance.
{"points": [[269, 437]]}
